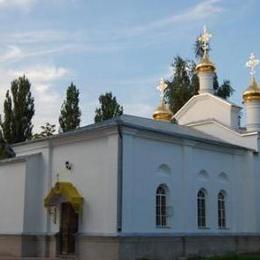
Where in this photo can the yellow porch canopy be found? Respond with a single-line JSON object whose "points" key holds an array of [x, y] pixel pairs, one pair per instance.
{"points": [[64, 192]]}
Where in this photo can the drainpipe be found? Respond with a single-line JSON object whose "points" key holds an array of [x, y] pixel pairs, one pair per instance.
{"points": [[119, 177]]}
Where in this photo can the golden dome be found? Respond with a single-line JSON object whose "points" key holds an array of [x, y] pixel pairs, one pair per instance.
{"points": [[205, 65], [162, 113], [252, 92]]}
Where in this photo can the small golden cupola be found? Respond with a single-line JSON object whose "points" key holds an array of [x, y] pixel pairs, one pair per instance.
{"points": [[252, 93], [251, 97], [162, 112], [205, 65], [205, 68]]}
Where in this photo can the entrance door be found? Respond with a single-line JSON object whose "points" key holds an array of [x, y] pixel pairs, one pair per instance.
{"points": [[68, 229]]}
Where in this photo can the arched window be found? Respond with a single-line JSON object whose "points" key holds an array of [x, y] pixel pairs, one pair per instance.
{"points": [[221, 210], [161, 206], [201, 204]]}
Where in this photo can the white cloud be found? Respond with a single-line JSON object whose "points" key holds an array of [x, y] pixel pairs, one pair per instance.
{"points": [[23, 45], [16, 53], [47, 98], [27, 4], [139, 109], [41, 73], [31, 37], [198, 12], [16, 3], [11, 53]]}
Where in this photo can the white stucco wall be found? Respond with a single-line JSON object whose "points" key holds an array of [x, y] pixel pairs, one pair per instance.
{"points": [[142, 158], [228, 135], [12, 194], [206, 82], [33, 204], [206, 106], [252, 115], [41, 178], [94, 174], [256, 185]]}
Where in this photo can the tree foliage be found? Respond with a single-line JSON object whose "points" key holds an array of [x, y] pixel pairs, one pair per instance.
{"points": [[70, 112], [47, 130], [18, 112], [109, 108], [183, 85], [5, 149], [225, 90], [198, 50]]}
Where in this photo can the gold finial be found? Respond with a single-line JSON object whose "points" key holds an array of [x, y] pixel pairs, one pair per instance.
{"points": [[252, 93], [205, 65], [161, 87], [252, 63], [162, 112], [204, 40]]}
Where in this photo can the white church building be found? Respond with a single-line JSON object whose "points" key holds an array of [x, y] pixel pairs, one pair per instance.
{"points": [[134, 188]]}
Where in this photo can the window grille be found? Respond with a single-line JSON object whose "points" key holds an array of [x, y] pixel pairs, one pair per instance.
{"points": [[221, 210], [161, 207], [201, 201]]}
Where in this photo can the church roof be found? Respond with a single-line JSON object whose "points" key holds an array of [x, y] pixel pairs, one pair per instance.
{"points": [[145, 124], [18, 159], [171, 129], [195, 98]]}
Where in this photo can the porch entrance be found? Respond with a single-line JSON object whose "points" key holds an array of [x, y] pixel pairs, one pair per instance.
{"points": [[68, 229]]}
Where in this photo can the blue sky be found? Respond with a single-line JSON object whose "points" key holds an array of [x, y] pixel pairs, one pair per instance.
{"points": [[119, 46]]}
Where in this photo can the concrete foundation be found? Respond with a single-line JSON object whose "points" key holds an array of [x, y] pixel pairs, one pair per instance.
{"points": [[132, 247], [27, 245], [164, 247]]}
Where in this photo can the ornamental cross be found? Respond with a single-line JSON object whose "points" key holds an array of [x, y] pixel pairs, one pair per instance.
{"points": [[252, 64], [162, 86], [204, 39]]}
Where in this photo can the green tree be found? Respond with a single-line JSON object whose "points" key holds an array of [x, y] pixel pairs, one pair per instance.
{"points": [[183, 85], [109, 108], [5, 150], [225, 90], [7, 124], [198, 50], [18, 112], [47, 130], [70, 112]]}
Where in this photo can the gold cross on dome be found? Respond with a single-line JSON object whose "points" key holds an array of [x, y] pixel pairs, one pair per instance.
{"points": [[162, 86], [204, 39], [252, 64]]}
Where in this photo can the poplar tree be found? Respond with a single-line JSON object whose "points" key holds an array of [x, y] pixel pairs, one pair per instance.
{"points": [[70, 112], [18, 112], [109, 108]]}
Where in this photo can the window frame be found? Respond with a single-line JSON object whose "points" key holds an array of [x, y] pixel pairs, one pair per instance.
{"points": [[202, 209], [161, 207], [222, 214]]}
